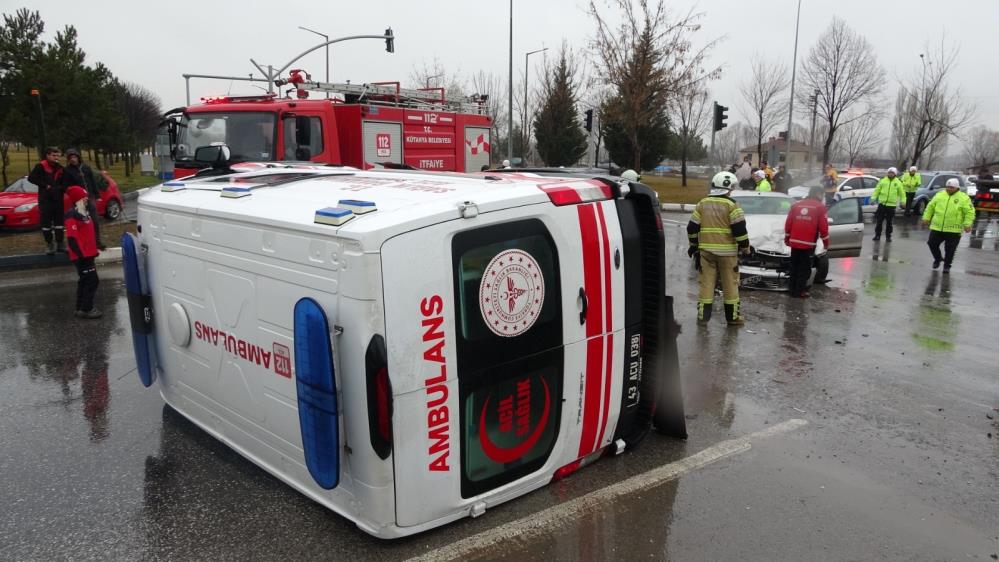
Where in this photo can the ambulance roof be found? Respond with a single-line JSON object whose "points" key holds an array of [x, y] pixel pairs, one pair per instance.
{"points": [[288, 196]]}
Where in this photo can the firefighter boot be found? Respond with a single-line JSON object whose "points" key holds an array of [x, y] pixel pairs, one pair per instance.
{"points": [[732, 314], [704, 312], [60, 244], [50, 247]]}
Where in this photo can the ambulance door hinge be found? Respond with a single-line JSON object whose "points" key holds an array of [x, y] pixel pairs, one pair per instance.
{"points": [[337, 330], [468, 210]]}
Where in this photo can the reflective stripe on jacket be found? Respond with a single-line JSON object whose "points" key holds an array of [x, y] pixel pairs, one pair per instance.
{"points": [[950, 213], [911, 182], [718, 226], [889, 192]]}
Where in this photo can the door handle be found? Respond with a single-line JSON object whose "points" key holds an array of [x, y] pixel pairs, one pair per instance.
{"points": [[585, 305]]}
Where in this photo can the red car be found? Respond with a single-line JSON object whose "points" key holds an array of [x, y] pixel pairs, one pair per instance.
{"points": [[19, 203]]}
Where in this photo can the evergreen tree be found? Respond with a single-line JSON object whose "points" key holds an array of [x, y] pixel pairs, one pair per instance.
{"points": [[647, 144], [559, 134]]}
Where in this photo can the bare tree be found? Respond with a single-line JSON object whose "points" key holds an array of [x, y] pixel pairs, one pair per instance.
{"points": [[981, 147], [436, 75], [647, 58], [933, 108], [764, 98], [691, 117], [903, 126], [842, 68], [860, 135], [728, 143]]}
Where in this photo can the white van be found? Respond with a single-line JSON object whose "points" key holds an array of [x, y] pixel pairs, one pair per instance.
{"points": [[407, 348]]}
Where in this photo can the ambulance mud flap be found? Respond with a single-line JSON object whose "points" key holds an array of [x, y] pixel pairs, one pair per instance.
{"points": [[140, 307], [316, 385]]}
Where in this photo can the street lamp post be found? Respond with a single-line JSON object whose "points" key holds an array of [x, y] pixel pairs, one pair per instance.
{"points": [[527, 136], [790, 105], [811, 135], [509, 131], [41, 121], [327, 38]]}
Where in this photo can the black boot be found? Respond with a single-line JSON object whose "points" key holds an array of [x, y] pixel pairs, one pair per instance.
{"points": [[704, 312], [733, 316]]}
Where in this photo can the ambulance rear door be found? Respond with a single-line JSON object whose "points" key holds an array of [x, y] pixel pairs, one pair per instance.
{"points": [[502, 351]]}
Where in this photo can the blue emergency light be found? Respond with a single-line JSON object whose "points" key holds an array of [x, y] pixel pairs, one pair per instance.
{"points": [[315, 380], [333, 216], [235, 192], [172, 186], [357, 206]]}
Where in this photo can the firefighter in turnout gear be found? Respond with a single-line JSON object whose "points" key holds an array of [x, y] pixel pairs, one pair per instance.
{"points": [[717, 233]]}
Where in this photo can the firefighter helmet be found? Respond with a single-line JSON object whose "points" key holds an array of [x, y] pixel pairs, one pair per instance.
{"points": [[630, 175], [722, 183]]}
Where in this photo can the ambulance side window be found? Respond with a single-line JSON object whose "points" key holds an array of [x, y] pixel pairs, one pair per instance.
{"points": [[295, 129]]}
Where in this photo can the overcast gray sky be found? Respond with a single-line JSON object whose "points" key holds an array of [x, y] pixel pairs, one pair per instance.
{"points": [[154, 43]]}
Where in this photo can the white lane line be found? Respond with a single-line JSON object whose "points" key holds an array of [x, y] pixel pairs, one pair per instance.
{"points": [[541, 522]]}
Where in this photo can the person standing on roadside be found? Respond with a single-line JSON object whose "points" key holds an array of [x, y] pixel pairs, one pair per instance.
{"points": [[805, 224], [947, 214], [82, 251], [717, 234], [744, 174], [760, 178], [782, 179], [765, 166], [888, 194], [47, 175], [911, 181], [830, 182], [77, 173]]}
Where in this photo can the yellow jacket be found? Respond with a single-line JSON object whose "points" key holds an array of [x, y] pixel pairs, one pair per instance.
{"points": [[950, 213], [911, 182]]}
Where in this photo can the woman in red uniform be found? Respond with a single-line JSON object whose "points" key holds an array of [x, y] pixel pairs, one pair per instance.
{"points": [[82, 244]]}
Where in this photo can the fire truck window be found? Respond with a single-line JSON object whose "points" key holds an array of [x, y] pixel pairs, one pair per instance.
{"points": [[294, 151], [510, 424], [250, 135]]}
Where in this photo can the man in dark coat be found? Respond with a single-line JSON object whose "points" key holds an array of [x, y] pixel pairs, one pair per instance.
{"points": [[47, 175], [78, 173]]}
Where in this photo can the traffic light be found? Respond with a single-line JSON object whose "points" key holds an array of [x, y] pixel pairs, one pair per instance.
{"points": [[389, 40], [588, 124], [720, 117]]}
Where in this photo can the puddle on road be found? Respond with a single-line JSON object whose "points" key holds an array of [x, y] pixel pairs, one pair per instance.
{"points": [[937, 325]]}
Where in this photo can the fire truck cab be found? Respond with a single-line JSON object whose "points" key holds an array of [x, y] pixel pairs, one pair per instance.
{"points": [[366, 125], [407, 348]]}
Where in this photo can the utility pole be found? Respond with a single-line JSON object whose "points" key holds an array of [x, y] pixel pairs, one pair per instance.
{"points": [[41, 120], [790, 105], [811, 135], [524, 129], [509, 131]]}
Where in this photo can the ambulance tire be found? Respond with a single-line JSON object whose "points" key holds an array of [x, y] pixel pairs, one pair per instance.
{"points": [[669, 417]]}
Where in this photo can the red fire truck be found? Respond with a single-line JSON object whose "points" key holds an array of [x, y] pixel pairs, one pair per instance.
{"points": [[363, 125]]}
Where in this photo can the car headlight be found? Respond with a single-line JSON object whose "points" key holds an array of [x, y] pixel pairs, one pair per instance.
{"points": [[25, 208]]}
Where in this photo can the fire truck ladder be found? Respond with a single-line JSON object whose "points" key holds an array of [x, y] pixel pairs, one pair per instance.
{"points": [[392, 93]]}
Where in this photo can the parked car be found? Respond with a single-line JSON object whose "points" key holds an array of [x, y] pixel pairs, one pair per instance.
{"points": [[853, 184], [19, 203], [933, 182], [770, 265]]}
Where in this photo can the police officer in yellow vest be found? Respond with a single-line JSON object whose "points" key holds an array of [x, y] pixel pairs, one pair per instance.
{"points": [[888, 194], [717, 233], [762, 183], [948, 213], [911, 181]]}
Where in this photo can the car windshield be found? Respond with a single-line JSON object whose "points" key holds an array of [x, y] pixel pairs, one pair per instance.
{"points": [[773, 205], [21, 186], [249, 135]]}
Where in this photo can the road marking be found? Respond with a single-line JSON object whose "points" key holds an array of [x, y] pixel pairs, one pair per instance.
{"points": [[539, 523]]}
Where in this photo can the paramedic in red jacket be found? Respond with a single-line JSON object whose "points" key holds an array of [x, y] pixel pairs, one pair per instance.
{"points": [[82, 250], [806, 222]]}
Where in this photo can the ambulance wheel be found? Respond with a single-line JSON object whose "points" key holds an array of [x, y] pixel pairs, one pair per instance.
{"points": [[113, 210]]}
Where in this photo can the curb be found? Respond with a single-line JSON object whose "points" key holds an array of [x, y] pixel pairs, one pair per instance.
{"points": [[38, 261], [683, 207]]}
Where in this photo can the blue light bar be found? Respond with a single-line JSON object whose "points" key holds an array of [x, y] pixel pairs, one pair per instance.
{"points": [[315, 381], [359, 207], [235, 192], [172, 186], [333, 216]]}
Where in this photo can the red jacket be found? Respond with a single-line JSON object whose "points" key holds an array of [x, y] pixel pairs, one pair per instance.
{"points": [[80, 236], [806, 222]]}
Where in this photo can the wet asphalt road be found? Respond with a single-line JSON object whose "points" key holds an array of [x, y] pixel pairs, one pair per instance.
{"points": [[892, 365]]}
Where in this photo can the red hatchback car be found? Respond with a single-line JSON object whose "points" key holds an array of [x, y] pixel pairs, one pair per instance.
{"points": [[19, 203]]}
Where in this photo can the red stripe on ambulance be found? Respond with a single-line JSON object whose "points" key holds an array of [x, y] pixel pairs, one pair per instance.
{"points": [[593, 285], [438, 415], [609, 320]]}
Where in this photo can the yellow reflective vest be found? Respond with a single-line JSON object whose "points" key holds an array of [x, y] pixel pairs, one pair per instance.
{"points": [[911, 182], [718, 226], [764, 185], [950, 213], [889, 192]]}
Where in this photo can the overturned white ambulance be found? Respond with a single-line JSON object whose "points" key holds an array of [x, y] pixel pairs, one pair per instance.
{"points": [[407, 348]]}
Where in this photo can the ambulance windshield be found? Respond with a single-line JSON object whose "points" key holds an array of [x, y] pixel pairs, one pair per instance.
{"points": [[250, 135]]}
